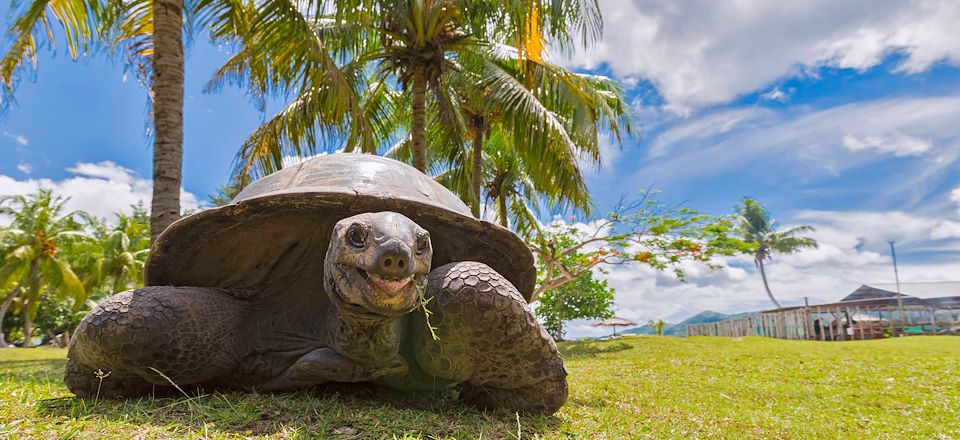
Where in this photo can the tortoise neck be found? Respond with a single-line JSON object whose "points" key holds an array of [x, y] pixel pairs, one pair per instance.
{"points": [[371, 340]]}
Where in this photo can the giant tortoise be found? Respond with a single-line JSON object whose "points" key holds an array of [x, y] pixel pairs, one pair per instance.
{"points": [[320, 273]]}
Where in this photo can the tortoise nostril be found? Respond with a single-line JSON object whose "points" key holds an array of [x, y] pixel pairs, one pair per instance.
{"points": [[393, 265]]}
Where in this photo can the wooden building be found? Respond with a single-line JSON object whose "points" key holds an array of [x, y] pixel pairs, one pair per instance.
{"points": [[869, 312]]}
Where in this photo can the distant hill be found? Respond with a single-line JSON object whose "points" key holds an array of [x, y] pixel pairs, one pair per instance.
{"points": [[680, 328]]}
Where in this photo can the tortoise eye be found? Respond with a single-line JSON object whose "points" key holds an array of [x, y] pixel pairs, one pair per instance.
{"points": [[423, 242], [356, 236]]}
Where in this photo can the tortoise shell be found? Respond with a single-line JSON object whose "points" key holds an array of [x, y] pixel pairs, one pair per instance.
{"points": [[276, 231]]}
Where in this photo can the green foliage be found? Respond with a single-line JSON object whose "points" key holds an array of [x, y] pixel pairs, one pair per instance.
{"points": [[761, 234], [584, 298], [657, 326], [53, 317], [226, 192], [643, 231], [33, 263], [757, 234], [54, 263], [114, 259], [452, 60]]}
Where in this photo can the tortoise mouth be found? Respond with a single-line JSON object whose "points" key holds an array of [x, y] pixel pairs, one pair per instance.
{"points": [[377, 295]]}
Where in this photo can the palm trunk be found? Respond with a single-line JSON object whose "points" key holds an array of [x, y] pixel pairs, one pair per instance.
{"points": [[477, 164], [502, 203], [763, 274], [7, 301], [418, 149], [32, 294], [167, 84], [27, 331], [559, 331]]}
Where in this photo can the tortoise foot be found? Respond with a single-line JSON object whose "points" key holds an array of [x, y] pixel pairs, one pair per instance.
{"points": [[542, 398], [86, 382]]}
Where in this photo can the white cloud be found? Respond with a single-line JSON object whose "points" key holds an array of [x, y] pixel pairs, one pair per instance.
{"points": [[707, 127], [777, 94], [809, 145], [699, 52], [98, 188], [20, 139], [946, 229], [853, 251], [24, 168], [955, 196], [894, 143]]}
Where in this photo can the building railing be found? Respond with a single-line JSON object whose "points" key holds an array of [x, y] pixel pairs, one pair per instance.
{"points": [[855, 320]]}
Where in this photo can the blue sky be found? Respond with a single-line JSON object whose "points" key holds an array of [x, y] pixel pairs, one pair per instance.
{"points": [[843, 115]]}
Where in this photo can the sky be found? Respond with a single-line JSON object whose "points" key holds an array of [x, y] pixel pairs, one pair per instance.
{"points": [[840, 115]]}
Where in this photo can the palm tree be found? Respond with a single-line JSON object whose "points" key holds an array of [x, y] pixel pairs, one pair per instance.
{"points": [[420, 44], [34, 264], [4, 306], [757, 230], [554, 117], [282, 50], [115, 257], [150, 33]]}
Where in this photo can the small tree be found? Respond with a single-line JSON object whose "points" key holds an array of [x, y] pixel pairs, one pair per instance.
{"points": [[657, 326], [640, 232], [584, 298], [761, 237]]}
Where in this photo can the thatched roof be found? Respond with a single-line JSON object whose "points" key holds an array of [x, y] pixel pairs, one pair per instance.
{"points": [[907, 290], [614, 321], [870, 292]]}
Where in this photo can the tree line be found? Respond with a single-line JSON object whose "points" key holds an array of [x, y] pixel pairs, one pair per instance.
{"points": [[54, 264]]}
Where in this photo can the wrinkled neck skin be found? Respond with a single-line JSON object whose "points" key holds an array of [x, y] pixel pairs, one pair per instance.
{"points": [[367, 339]]}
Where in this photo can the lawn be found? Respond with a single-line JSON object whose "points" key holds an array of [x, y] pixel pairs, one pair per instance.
{"points": [[626, 388]]}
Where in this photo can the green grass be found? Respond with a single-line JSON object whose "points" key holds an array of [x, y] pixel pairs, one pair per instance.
{"points": [[626, 388]]}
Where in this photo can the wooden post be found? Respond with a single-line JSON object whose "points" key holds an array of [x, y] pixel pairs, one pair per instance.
{"points": [[952, 322], [933, 320], [836, 329], [860, 322], [843, 322]]}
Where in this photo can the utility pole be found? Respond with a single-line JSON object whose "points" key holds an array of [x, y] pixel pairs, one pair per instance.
{"points": [[896, 274]]}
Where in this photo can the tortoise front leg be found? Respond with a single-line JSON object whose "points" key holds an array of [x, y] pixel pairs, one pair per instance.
{"points": [[326, 365], [189, 334], [489, 340]]}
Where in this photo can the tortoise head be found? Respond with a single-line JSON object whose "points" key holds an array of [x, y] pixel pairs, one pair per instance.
{"points": [[377, 263]]}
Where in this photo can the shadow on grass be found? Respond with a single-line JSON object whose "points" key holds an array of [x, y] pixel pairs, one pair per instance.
{"points": [[330, 411], [335, 410], [591, 348]]}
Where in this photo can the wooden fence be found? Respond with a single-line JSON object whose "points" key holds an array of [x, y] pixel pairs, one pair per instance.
{"points": [[855, 320]]}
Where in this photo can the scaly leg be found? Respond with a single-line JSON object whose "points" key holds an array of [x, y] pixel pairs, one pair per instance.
{"points": [[188, 334], [489, 340], [326, 365]]}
